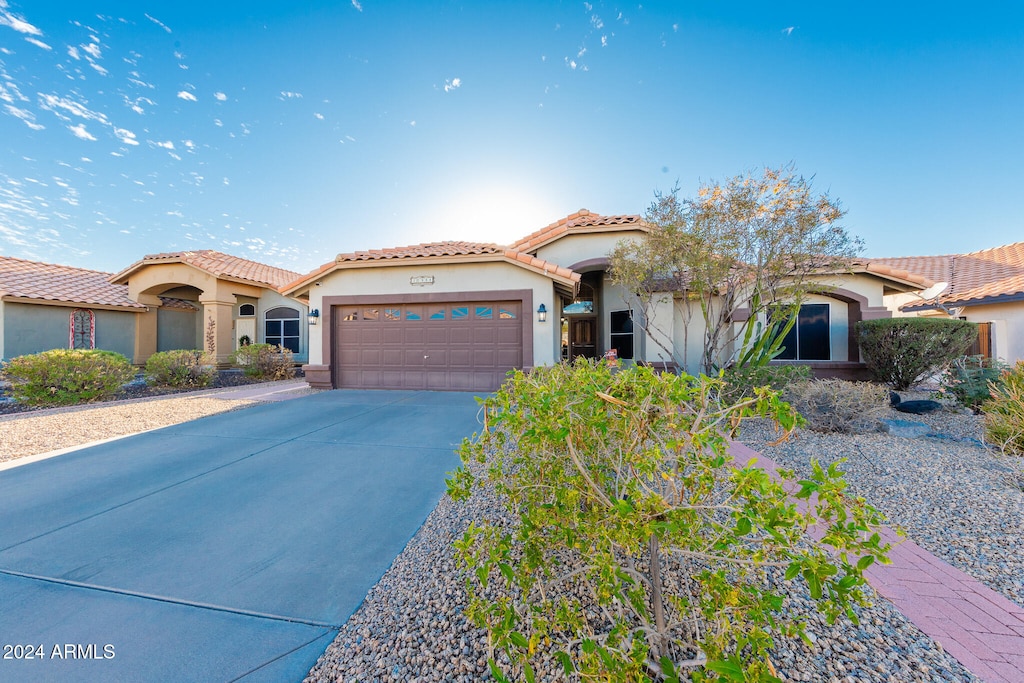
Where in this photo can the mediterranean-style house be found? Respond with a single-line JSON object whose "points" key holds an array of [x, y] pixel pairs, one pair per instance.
{"points": [[460, 315], [162, 302]]}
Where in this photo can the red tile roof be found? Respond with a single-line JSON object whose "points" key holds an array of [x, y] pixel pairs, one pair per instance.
{"points": [[430, 250], [469, 251], [21, 279], [580, 222], [217, 264], [985, 274]]}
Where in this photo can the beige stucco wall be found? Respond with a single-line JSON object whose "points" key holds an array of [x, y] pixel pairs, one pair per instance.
{"points": [[1008, 327], [451, 277], [575, 248]]}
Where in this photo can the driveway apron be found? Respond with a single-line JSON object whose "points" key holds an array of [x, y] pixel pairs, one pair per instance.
{"points": [[228, 548]]}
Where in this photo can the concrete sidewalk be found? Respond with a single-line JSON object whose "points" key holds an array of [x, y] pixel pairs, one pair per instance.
{"points": [[232, 547]]}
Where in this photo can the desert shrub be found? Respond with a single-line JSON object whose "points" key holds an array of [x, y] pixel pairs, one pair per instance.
{"points": [[632, 546], [265, 361], [968, 380], [180, 368], [903, 351], [1004, 412], [741, 382], [67, 376], [838, 406]]}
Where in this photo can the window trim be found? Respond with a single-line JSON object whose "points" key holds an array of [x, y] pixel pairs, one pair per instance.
{"points": [[274, 315]]}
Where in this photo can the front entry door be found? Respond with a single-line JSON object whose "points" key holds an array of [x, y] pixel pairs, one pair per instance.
{"points": [[582, 337]]}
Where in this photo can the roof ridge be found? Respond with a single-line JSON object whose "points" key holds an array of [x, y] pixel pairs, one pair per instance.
{"points": [[54, 265]]}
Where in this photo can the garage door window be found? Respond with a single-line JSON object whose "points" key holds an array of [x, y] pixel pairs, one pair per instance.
{"points": [[439, 314], [484, 312], [282, 328]]}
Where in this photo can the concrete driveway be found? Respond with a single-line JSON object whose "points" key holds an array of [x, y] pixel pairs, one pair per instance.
{"points": [[232, 547]]}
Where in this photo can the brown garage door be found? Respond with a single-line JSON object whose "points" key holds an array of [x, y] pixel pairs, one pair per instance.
{"points": [[462, 346]]}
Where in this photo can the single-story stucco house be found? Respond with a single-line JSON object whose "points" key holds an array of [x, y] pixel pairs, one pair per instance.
{"points": [[459, 315], [162, 302], [985, 287]]}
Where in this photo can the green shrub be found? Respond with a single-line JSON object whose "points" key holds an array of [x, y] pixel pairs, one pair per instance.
{"points": [[969, 378], [633, 546], [265, 361], [1004, 413], [180, 368], [903, 351], [67, 376], [838, 406], [742, 382]]}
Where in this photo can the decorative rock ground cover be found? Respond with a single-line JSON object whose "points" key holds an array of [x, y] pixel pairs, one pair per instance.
{"points": [[954, 497]]}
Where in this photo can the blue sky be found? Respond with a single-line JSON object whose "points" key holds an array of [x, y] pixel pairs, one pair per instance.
{"points": [[289, 132]]}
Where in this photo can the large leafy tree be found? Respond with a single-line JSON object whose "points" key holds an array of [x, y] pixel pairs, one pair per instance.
{"points": [[756, 243]]}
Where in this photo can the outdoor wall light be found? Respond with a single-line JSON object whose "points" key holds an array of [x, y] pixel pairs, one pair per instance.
{"points": [[542, 314], [313, 316]]}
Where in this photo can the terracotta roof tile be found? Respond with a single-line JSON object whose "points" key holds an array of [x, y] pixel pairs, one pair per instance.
{"points": [[977, 275], [47, 282], [430, 250], [583, 221], [220, 265]]}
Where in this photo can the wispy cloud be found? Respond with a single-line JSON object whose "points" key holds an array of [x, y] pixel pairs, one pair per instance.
{"points": [[81, 133], [16, 22], [186, 95], [38, 43], [289, 95], [166, 144], [62, 106], [126, 136], [220, 97], [452, 84], [357, 5], [789, 30], [158, 23], [25, 115]]}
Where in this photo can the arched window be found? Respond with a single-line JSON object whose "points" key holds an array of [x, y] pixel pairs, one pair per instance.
{"points": [[246, 310], [82, 329], [282, 328]]}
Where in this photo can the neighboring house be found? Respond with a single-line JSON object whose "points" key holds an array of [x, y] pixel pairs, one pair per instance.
{"points": [[985, 287], [231, 298], [162, 302], [45, 306], [459, 315]]}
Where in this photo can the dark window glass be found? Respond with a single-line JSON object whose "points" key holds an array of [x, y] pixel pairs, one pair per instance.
{"points": [[246, 310], [621, 328], [809, 339], [281, 328]]}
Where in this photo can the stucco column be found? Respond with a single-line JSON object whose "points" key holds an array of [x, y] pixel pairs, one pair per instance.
{"points": [[220, 329], [146, 328]]}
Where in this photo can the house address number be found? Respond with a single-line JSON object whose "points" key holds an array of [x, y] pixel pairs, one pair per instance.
{"points": [[421, 280]]}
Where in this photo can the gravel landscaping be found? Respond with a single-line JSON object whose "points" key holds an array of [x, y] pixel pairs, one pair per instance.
{"points": [[952, 495]]}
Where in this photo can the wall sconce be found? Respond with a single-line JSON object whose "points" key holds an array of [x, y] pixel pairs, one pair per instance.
{"points": [[542, 314], [314, 316]]}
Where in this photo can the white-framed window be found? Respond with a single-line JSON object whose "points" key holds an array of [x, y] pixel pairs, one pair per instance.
{"points": [[82, 329], [282, 328]]}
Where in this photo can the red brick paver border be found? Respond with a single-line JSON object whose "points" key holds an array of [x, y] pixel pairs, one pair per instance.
{"points": [[980, 627]]}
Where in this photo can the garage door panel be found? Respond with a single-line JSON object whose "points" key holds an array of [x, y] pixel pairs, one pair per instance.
{"points": [[466, 346], [435, 334]]}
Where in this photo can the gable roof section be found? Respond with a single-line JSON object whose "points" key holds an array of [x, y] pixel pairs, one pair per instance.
{"points": [[904, 279], [579, 223], [986, 276], [440, 252], [36, 281], [220, 265]]}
